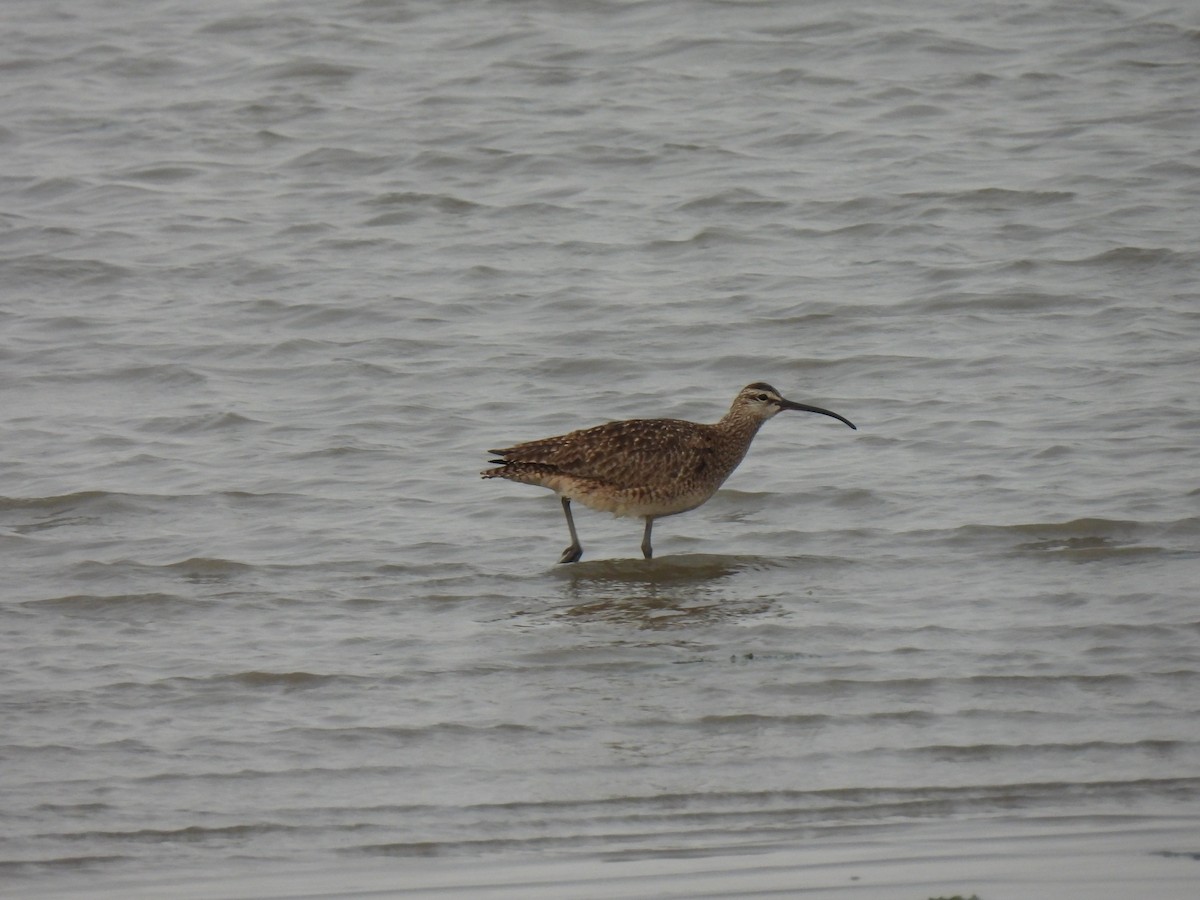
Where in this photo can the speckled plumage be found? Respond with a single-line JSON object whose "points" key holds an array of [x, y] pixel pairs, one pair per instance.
{"points": [[644, 467]]}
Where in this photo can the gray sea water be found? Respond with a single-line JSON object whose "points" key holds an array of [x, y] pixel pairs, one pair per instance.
{"points": [[276, 274]]}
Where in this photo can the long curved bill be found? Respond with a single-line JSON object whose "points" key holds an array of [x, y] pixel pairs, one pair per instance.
{"points": [[804, 407]]}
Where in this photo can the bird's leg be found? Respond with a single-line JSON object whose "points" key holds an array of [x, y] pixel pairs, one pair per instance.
{"points": [[575, 551], [647, 550]]}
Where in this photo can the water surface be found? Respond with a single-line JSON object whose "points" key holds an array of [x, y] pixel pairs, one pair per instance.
{"points": [[276, 275]]}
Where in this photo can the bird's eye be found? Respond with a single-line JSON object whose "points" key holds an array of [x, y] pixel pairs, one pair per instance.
{"points": [[763, 397]]}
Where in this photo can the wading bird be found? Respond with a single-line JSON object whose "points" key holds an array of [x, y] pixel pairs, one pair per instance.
{"points": [[648, 468]]}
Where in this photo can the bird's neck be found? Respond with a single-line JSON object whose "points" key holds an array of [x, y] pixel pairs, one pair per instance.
{"points": [[741, 429]]}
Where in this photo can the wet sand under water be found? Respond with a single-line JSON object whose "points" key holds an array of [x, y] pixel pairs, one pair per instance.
{"points": [[1016, 860]]}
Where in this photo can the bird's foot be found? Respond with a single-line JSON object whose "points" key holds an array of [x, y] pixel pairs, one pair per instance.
{"points": [[571, 554]]}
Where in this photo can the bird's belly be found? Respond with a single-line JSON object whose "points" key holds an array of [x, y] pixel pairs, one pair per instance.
{"points": [[638, 502]]}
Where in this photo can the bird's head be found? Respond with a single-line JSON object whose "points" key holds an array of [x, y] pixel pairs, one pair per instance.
{"points": [[761, 401]]}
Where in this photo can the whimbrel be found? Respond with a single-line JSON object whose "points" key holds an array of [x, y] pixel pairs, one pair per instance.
{"points": [[644, 467]]}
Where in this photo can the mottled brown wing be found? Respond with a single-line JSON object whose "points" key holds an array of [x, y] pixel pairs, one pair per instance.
{"points": [[632, 453]]}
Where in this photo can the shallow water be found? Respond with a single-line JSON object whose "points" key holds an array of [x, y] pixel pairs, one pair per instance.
{"points": [[276, 275]]}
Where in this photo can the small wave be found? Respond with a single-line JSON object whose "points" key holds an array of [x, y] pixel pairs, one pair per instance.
{"points": [[54, 501], [1018, 685], [99, 605], [1138, 258], [1083, 538], [286, 680], [188, 834], [208, 570], [50, 271], [59, 863], [240, 682], [342, 161], [754, 720], [311, 70], [73, 809], [705, 238], [993, 751], [160, 174], [391, 735], [1009, 302], [54, 187], [442, 203], [992, 199], [30, 515], [654, 611], [243, 23], [156, 376], [737, 200], [198, 424]]}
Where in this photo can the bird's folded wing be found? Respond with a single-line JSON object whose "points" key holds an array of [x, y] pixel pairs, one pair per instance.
{"points": [[629, 453]]}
